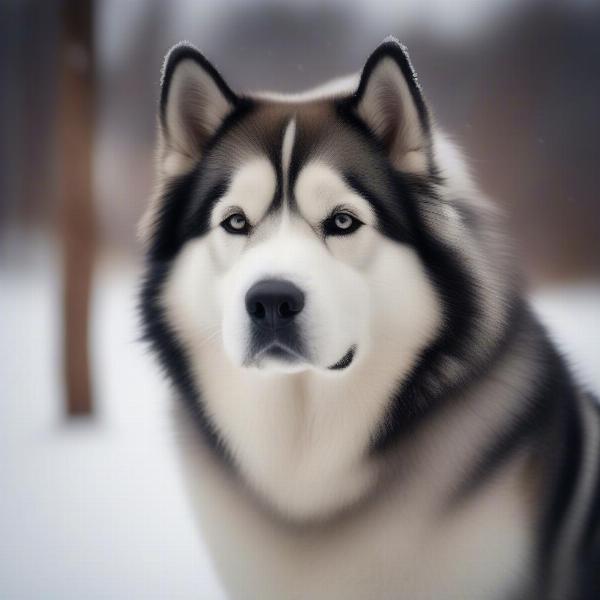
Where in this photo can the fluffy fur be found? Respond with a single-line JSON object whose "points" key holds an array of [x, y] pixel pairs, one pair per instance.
{"points": [[411, 432]]}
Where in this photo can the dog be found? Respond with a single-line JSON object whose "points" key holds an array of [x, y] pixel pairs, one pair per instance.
{"points": [[370, 408]]}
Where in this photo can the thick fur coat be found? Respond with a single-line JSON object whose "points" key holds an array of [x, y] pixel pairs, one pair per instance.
{"points": [[371, 409]]}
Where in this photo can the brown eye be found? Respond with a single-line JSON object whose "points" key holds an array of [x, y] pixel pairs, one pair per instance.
{"points": [[236, 223], [341, 223]]}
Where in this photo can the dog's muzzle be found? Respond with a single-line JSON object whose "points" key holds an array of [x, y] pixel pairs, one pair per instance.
{"points": [[272, 306]]}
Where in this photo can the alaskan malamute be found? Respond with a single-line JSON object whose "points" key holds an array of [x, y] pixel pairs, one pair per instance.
{"points": [[371, 409]]}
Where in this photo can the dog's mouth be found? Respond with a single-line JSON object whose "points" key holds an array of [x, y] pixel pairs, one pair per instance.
{"points": [[281, 349], [345, 361], [284, 347], [280, 352]]}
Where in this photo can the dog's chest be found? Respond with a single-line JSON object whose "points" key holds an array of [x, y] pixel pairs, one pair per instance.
{"points": [[299, 442], [395, 547]]}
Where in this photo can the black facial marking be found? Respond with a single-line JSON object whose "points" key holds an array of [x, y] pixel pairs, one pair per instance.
{"points": [[305, 144], [197, 221], [171, 354], [236, 224], [345, 361], [186, 204], [331, 225], [391, 218], [273, 151], [166, 240], [425, 386]]}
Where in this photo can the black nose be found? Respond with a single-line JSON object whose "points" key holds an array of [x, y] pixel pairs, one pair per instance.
{"points": [[274, 303]]}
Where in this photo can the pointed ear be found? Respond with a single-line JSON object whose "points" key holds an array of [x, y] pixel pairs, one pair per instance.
{"points": [[389, 101], [194, 102]]}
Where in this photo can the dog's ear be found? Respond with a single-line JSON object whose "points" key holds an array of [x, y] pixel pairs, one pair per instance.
{"points": [[194, 102], [389, 101]]}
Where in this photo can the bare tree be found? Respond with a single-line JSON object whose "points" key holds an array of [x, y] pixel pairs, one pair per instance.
{"points": [[77, 216]]}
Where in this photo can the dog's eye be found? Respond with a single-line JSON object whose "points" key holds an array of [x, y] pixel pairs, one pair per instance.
{"points": [[341, 223], [236, 223]]}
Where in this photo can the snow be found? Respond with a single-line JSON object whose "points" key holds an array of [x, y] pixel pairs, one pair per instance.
{"points": [[88, 509], [572, 314], [96, 509]]}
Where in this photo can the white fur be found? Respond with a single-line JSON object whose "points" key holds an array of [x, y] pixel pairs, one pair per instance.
{"points": [[287, 147], [309, 429], [401, 545], [339, 86], [251, 189]]}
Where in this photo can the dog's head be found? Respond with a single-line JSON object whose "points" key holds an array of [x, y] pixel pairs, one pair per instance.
{"points": [[289, 222]]}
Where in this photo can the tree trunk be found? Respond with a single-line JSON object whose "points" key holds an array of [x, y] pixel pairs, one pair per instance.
{"points": [[77, 215]]}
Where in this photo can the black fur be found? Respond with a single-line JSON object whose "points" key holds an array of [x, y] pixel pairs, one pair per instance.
{"points": [[589, 548], [184, 213], [172, 356], [529, 427]]}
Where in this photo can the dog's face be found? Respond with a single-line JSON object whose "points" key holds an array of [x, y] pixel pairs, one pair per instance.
{"points": [[319, 273], [291, 278], [291, 245]]}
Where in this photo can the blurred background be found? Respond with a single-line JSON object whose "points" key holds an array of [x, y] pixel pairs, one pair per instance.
{"points": [[87, 469]]}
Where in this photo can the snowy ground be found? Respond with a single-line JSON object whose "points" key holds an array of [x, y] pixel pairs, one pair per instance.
{"points": [[88, 509], [96, 509]]}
